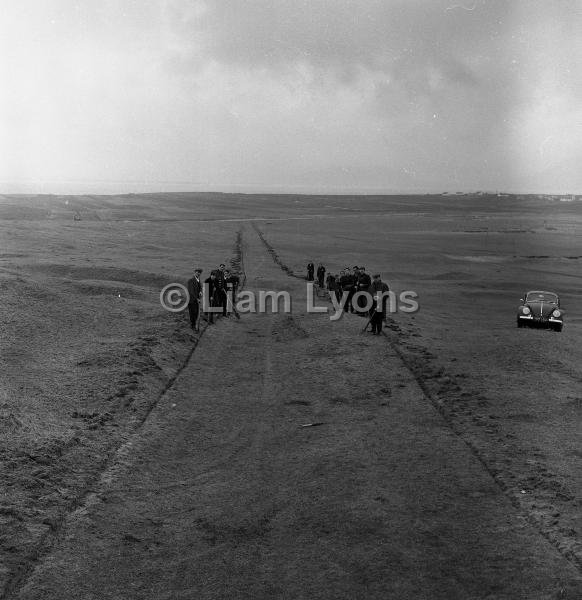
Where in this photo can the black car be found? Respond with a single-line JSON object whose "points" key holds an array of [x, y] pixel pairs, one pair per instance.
{"points": [[540, 309]]}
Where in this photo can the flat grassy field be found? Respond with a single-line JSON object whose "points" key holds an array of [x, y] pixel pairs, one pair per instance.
{"points": [[87, 353], [513, 394]]}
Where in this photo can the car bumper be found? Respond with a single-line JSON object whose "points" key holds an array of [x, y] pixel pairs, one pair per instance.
{"points": [[541, 322]]}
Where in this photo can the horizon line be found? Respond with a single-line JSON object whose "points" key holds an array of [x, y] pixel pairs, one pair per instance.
{"points": [[18, 189]]}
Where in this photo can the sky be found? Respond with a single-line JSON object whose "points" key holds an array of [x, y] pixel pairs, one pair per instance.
{"points": [[294, 96]]}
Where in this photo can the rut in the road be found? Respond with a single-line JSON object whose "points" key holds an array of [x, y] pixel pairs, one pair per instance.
{"points": [[555, 538]]}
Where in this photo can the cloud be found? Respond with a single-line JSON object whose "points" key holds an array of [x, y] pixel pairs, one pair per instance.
{"points": [[341, 36], [400, 93], [404, 59]]}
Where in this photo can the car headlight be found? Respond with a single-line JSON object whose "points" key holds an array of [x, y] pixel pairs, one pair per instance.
{"points": [[525, 310], [556, 313]]}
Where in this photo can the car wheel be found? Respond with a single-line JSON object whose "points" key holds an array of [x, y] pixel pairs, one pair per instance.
{"points": [[519, 323], [558, 327]]}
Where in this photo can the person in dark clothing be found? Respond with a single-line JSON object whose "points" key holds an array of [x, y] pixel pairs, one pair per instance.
{"points": [[221, 288], [221, 272], [362, 284], [378, 310], [331, 283], [195, 293], [334, 286], [352, 288], [346, 282], [364, 280], [320, 275], [310, 271], [212, 294]]}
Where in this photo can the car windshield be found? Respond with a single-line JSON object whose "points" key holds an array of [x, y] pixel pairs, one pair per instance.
{"points": [[541, 297]]}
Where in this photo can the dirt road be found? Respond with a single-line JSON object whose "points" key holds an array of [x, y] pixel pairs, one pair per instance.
{"points": [[226, 492]]}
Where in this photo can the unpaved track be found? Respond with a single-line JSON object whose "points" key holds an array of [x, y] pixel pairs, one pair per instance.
{"points": [[223, 493]]}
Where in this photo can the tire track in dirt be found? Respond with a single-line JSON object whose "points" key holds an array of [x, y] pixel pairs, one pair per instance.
{"points": [[551, 534], [113, 454]]}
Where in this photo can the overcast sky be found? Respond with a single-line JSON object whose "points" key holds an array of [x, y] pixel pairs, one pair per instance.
{"points": [[291, 95]]}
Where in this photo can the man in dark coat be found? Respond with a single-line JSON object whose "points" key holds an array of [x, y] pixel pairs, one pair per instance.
{"points": [[310, 271], [347, 285], [328, 281], [363, 283], [212, 285], [333, 286], [220, 273], [320, 275], [221, 288], [378, 310], [195, 293]]}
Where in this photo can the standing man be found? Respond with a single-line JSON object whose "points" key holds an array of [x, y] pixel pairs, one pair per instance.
{"points": [[378, 310], [346, 285], [363, 284], [195, 293], [352, 287], [220, 274], [212, 285], [320, 275], [333, 286], [310, 270], [329, 281]]}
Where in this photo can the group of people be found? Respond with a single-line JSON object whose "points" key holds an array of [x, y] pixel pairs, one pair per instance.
{"points": [[222, 285], [320, 273], [352, 281], [363, 294]]}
